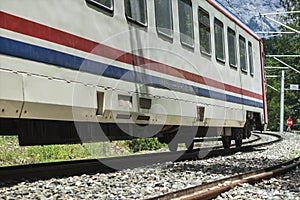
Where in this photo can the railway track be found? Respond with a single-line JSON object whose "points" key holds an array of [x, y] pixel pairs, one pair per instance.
{"points": [[213, 189], [70, 168]]}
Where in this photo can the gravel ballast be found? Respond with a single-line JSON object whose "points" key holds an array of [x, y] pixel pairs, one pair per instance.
{"points": [[158, 179]]}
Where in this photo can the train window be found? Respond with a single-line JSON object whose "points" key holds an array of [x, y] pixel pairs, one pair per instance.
{"points": [[106, 4], [136, 11], [204, 31], [243, 56], [163, 15], [186, 22], [231, 47], [219, 40], [250, 53]]}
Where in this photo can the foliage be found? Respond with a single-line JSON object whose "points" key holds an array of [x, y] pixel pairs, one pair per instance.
{"points": [[294, 154], [144, 144], [13, 154], [291, 5], [288, 44]]}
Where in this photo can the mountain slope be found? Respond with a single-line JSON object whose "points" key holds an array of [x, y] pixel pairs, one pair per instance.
{"points": [[246, 11]]}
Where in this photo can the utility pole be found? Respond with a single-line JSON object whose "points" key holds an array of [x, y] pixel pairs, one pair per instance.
{"points": [[282, 102], [277, 59], [282, 85]]}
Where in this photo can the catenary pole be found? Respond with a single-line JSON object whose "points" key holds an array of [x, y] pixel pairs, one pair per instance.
{"points": [[282, 102]]}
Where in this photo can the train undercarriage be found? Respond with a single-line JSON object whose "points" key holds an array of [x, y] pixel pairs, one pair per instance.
{"points": [[44, 132]]}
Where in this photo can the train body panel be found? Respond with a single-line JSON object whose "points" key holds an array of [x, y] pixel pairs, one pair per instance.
{"points": [[78, 61]]}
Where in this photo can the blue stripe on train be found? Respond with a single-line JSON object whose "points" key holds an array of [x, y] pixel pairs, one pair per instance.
{"points": [[53, 57]]}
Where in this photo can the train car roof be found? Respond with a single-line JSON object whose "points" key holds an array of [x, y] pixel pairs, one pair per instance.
{"points": [[233, 17]]}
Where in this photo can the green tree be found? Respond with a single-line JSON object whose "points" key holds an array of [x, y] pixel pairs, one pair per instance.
{"points": [[288, 44]]}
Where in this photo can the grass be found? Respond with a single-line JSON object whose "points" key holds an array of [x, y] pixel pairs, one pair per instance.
{"points": [[13, 154], [294, 154]]}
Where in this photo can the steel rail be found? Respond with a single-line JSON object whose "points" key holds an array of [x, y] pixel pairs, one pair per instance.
{"points": [[213, 139], [214, 189], [15, 174]]}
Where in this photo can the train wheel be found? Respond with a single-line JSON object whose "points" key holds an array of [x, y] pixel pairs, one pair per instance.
{"points": [[226, 140], [238, 135], [238, 140]]}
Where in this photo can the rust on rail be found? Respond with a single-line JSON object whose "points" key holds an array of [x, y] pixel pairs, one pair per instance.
{"points": [[212, 190]]}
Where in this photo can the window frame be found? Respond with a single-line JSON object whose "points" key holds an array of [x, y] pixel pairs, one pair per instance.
{"points": [[171, 20], [219, 22], [203, 28], [101, 6], [250, 58], [231, 31], [241, 38], [129, 18], [192, 22]]}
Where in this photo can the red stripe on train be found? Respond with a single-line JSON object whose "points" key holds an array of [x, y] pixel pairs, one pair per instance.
{"points": [[33, 29]]}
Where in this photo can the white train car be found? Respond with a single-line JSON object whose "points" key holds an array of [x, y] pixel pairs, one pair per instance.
{"points": [[93, 70]]}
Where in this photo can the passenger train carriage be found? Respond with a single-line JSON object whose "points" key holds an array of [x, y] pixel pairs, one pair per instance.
{"points": [[97, 70]]}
